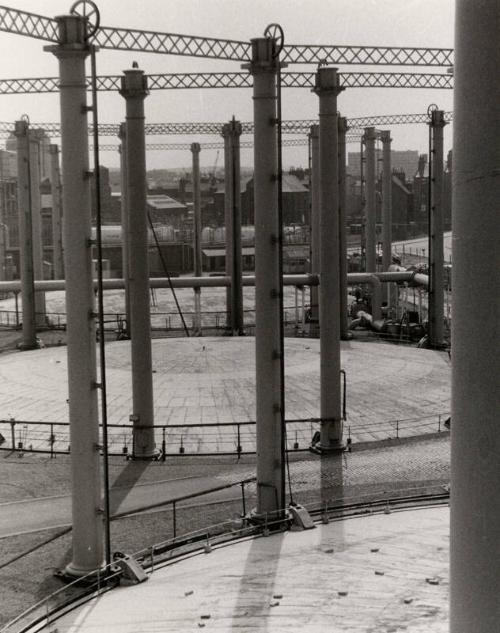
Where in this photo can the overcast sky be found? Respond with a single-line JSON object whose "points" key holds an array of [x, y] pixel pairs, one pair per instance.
{"points": [[422, 23]]}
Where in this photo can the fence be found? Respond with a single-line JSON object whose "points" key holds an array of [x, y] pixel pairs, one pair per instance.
{"points": [[218, 438], [160, 321], [44, 613]]}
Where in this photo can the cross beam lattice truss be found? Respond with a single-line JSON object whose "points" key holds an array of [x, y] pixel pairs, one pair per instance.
{"points": [[238, 80], [288, 127], [45, 28], [294, 142]]}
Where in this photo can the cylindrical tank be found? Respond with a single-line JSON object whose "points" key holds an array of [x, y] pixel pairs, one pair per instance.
{"points": [[220, 234], [207, 234], [248, 233], [164, 233]]}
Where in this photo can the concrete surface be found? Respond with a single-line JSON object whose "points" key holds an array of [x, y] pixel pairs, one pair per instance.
{"points": [[376, 574]]}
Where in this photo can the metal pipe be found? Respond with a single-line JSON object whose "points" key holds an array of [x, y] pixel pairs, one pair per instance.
{"points": [[82, 379], [26, 284], [370, 207], [55, 184], [475, 389], [436, 245], [327, 88], [376, 284], [270, 483], [344, 325], [222, 282], [134, 90]]}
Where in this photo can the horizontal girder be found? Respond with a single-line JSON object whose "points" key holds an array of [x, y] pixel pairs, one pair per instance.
{"points": [[356, 124], [44, 28], [176, 81]]}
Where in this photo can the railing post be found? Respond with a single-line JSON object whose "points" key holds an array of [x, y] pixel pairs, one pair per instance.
{"points": [[243, 502], [13, 433]]}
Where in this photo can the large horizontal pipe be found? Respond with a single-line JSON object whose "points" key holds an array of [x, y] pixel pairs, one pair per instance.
{"points": [[224, 281]]}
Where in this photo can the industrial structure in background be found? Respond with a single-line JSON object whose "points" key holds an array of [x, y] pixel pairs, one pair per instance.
{"points": [[170, 204], [475, 503]]}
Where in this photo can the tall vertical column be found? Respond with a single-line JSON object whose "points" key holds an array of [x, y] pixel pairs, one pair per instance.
{"points": [[436, 245], [197, 253], [315, 219], [232, 207], [386, 139], [55, 184], [134, 91], [25, 236], [228, 218], [122, 135], [327, 88], [82, 385], [36, 220], [475, 436], [370, 207], [270, 479], [344, 326]]}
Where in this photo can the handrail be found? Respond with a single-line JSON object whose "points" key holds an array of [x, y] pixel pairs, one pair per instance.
{"points": [[324, 509]]}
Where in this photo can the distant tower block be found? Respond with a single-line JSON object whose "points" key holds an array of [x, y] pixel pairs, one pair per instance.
{"points": [[327, 88], [134, 91], [87, 523]]}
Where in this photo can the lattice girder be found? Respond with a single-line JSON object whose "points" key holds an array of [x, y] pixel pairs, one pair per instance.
{"points": [[45, 28], [176, 81]]}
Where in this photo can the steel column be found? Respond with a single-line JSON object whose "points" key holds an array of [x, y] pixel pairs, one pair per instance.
{"points": [[83, 412], [122, 135], [370, 207], [475, 435], [270, 473], [232, 207], [327, 88], [197, 228], [436, 246], [35, 137], [315, 219], [55, 185], [134, 91], [386, 139], [25, 236], [344, 325]]}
